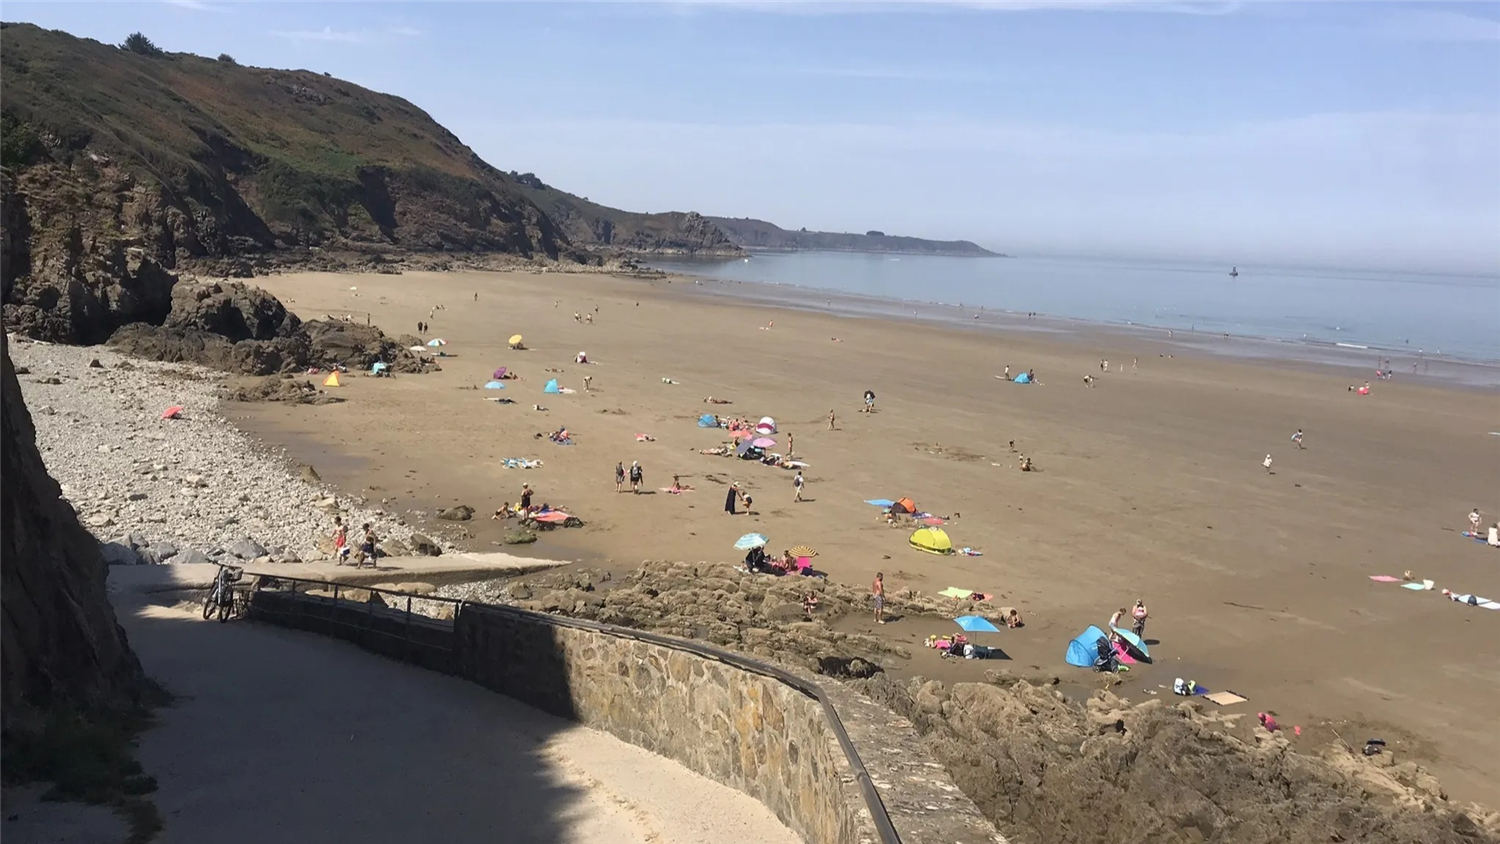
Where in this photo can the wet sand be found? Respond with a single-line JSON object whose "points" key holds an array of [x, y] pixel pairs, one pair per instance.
{"points": [[1151, 484]]}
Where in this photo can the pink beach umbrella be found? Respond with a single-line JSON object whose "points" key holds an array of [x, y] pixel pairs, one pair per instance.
{"points": [[763, 442]]}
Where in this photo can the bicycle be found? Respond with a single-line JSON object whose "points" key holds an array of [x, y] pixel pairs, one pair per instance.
{"points": [[221, 596]]}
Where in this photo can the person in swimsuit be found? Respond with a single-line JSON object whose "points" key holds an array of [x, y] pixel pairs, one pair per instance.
{"points": [[1474, 521], [340, 541], [367, 547], [877, 590]]}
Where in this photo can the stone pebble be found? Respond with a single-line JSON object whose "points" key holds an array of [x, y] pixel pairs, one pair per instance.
{"points": [[173, 490]]}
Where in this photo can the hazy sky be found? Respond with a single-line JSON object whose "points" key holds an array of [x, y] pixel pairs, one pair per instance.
{"points": [[1343, 134]]}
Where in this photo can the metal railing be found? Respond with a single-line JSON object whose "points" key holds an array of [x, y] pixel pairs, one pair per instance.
{"points": [[871, 795]]}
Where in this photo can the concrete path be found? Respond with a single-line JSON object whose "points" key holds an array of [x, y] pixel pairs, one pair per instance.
{"points": [[289, 737], [436, 570]]}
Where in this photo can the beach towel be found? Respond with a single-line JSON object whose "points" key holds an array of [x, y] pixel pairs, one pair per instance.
{"points": [[520, 463], [1123, 653], [955, 592], [932, 520], [1384, 578], [1490, 605], [880, 502], [970, 552], [1424, 585], [644, 438]]}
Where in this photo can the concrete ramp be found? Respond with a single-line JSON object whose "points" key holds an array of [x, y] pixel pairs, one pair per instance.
{"points": [[282, 736], [449, 568]]}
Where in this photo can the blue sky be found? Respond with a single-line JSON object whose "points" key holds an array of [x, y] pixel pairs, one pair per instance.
{"points": [[1340, 134]]}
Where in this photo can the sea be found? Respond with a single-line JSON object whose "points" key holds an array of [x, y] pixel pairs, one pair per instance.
{"points": [[1305, 313]]}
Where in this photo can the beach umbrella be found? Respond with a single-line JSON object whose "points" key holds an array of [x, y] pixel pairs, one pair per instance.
{"points": [[500, 373], [803, 551], [437, 342], [515, 340], [880, 502], [416, 348], [763, 442], [742, 435], [750, 540], [173, 412], [379, 367], [976, 624], [745, 449], [494, 385], [1134, 642]]}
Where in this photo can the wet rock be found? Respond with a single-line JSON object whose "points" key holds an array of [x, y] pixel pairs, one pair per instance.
{"points": [[461, 513]]}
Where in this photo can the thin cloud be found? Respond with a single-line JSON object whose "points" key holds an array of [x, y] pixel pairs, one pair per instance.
{"points": [[326, 34], [802, 7], [886, 72], [407, 31], [1439, 25], [196, 5]]}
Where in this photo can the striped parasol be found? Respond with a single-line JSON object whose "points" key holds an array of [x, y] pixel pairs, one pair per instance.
{"points": [[803, 551]]}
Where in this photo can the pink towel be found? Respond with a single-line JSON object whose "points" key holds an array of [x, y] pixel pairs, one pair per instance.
{"points": [[1384, 578]]}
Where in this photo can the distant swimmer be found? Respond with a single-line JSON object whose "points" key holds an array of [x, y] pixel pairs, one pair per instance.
{"points": [[1234, 272]]}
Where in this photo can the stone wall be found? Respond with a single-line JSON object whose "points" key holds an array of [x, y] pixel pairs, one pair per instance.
{"points": [[739, 727], [745, 730]]}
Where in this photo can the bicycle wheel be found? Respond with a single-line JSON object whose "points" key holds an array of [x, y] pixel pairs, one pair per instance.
{"points": [[208, 606]]}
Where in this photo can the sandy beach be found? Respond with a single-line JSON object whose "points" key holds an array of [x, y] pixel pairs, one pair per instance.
{"points": [[1150, 483]]}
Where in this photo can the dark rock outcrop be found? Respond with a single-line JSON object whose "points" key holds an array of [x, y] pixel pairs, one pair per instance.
{"points": [[1052, 771], [356, 346], [234, 311], [62, 647]]}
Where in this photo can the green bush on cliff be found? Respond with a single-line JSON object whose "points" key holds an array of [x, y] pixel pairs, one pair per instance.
{"points": [[136, 42]]}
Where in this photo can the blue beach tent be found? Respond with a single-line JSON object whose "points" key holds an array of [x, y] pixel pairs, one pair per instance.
{"points": [[1083, 650], [708, 420], [1023, 378], [551, 387]]}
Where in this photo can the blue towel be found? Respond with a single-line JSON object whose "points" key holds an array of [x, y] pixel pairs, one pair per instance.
{"points": [[880, 502]]}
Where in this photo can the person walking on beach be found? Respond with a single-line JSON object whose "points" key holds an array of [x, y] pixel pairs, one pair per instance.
{"points": [[1297, 438], [731, 498], [1007, 372], [619, 476], [367, 547], [797, 485], [340, 541], [1474, 521], [588, 383], [1267, 463], [877, 590], [636, 475], [830, 420]]}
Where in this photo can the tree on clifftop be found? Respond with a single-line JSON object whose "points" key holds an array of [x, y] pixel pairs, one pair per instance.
{"points": [[139, 43]]}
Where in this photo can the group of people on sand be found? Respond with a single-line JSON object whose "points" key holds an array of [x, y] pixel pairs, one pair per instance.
{"points": [[636, 475], [1493, 539], [733, 497], [521, 509]]}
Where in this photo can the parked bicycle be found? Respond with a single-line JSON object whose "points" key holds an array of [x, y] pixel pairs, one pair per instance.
{"points": [[221, 596]]}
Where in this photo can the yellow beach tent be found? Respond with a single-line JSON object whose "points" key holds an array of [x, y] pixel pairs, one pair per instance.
{"points": [[932, 540], [332, 380]]}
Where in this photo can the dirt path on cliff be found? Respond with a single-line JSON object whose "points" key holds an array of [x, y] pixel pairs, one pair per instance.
{"points": [[283, 736]]}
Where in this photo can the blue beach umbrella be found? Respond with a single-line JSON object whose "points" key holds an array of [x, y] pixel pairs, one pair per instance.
{"points": [[976, 624], [880, 502], [750, 540], [494, 385]]}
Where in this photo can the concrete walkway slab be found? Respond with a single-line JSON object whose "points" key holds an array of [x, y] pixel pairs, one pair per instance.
{"points": [[277, 735], [449, 568]]}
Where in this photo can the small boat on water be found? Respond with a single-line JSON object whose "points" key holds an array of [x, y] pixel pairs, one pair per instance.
{"points": [[1234, 272]]}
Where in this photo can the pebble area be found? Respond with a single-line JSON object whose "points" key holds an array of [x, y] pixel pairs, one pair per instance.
{"points": [[185, 490]]}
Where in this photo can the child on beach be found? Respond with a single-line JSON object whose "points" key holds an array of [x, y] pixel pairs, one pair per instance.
{"points": [[1297, 438], [1474, 521], [340, 541], [1267, 463]]}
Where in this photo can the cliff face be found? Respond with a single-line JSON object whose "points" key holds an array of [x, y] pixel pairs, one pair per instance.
{"points": [[62, 648]]}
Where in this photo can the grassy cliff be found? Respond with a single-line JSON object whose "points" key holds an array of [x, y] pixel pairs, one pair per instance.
{"points": [[180, 156]]}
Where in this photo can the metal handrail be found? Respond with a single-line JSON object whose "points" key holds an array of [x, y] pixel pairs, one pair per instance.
{"points": [[873, 802]]}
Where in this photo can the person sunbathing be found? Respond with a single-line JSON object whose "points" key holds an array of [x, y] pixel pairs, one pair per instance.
{"points": [[712, 400], [716, 451], [1026, 464]]}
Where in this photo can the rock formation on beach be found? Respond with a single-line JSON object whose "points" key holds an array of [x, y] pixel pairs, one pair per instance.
{"points": [[64, 653]]}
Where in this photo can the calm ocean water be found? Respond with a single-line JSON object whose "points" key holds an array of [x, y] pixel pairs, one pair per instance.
{"points": [[1454, 316]]}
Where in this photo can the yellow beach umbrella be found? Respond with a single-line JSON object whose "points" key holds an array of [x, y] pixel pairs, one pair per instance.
{"points": [[515, 340]]}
